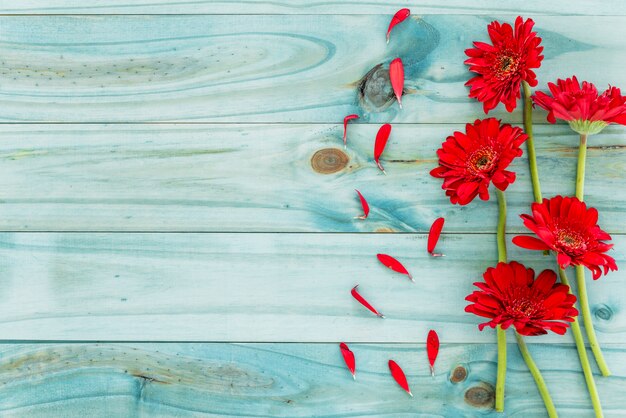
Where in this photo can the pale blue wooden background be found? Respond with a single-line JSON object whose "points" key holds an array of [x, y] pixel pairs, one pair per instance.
{"points": [[157, 195]]}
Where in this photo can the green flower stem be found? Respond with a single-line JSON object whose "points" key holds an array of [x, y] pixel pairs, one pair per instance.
{"points": [[582, 355], [501, 373], [530, 142], [534, 370], [580, 272]]}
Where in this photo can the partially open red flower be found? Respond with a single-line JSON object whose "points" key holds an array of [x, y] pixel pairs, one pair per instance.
{"points": [[502, 66], [469, 161], [566, 226], [586, 111], [510, 295]]}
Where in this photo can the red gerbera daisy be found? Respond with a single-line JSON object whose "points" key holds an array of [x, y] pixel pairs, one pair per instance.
{"points": [[469, 161], [502, 66], [586, 111], [566, 226], [510, 295]]}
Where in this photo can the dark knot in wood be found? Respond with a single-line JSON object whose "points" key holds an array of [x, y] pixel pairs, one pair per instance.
{"points": [[458, 375], [480, 396], [375, 91], [329, 160], [603, 312]]}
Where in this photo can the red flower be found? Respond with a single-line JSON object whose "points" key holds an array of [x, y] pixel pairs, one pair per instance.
{"points": [[585, 110], [502, 66], [469, 161], [566, 226], [510, 295]]}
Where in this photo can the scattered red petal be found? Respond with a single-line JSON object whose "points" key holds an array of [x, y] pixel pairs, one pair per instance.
{"points": [[393, 264], [432, 348], [396, 76], [399, 376], [433, 236], [399, 17], [366, 207], [379, 146], [362, 301], [345, 128], [348, 357]]}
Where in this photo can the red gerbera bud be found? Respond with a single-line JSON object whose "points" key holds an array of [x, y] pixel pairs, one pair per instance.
{"points": [[566, 226], [469, 161], [581, 106], [502, 66], [510, 295]]}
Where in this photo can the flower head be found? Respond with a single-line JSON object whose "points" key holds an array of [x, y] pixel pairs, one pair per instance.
{"points": [[586, 111], [503, 65], [469, 161], [566, 226], [510, 295]]}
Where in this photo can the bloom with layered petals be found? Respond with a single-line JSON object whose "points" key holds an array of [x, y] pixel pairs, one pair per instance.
{"points": [[586, 111], [566, 226], [503, 65], [510, 295], [469, 161]]}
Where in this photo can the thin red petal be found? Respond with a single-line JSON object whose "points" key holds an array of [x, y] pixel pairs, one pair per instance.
{"points": [[396, 76], [348, 357], [366, 207], [399, 17], [362, 301], [393, 264], [399, 376], [432, 348], [345, 128], [381, 141], [433, 235]]}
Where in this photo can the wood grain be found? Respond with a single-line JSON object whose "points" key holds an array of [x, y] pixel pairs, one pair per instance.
{"points": [[228, 68], [290, 380], [258, 287], [270, 178], [536, 7]]}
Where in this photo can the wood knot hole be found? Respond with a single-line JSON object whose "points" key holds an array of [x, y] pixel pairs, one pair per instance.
{"points": [[480, 396], [603, 313], [458, 375], [329, 160]]}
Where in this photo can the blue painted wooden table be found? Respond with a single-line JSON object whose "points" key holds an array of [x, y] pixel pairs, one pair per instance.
{"points": [[176, 209]]}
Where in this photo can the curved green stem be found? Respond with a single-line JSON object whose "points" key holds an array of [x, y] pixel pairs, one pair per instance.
{"points": [[580, 272], [530, 142], [501, 226], [582, 355], [534, 370], [501, 373]]}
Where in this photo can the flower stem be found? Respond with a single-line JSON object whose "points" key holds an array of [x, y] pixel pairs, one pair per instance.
{"points": [[534, 370], [530, 142], [582, 355], [501, 373], [580, 272]]}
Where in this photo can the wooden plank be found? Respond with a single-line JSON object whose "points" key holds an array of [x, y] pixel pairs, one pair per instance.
{"points": [[536, 7], [260, 178], [291, 380], [220, 287], [268, 68]]}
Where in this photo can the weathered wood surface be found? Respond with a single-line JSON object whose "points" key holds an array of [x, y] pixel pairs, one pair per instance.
{"points": [[290, 380], [228, 68], [257, 287], [534, 7], [261, 178]]}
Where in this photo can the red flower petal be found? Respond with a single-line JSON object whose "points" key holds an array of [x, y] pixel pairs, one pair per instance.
{"points": [[530, 243], [390, 262], [432, 348], [396, 76], [355, 294], [381, 141], [399, 377], [366, 207], [345, 128], [433, 236], [348, 357], [399, 17]]}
